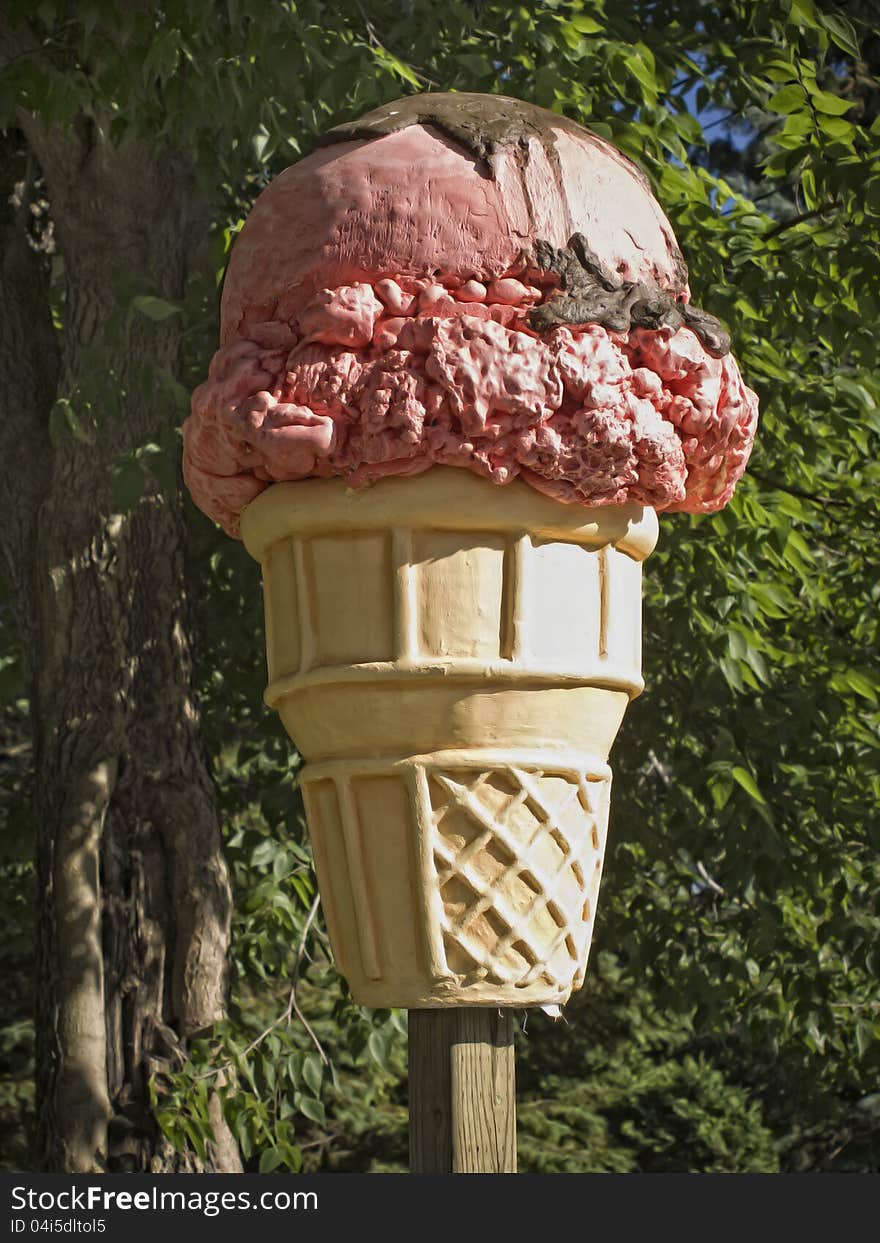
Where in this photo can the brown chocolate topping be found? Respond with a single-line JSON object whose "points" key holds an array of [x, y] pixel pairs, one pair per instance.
{"points": [[487, 125], [592, 294]]}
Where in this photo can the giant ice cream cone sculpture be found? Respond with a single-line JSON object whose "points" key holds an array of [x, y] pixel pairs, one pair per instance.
{"points": [[460, 282]]}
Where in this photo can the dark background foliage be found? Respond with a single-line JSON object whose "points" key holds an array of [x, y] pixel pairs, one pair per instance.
{"points": [[732, 1014]]}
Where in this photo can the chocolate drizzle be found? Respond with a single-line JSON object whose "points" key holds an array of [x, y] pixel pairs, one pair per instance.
{"points": [[488, 125], [484, 125], [592, 294]]}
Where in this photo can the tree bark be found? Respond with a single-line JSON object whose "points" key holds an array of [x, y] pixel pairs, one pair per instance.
{"points": [[134, 894]]}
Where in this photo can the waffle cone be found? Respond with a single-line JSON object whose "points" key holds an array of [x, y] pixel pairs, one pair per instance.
{"points": [[453, 661]]}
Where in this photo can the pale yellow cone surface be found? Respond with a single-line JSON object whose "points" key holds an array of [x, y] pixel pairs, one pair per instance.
{"points": [[453, 660]]}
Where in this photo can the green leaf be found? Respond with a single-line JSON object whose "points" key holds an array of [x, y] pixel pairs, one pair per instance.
{"points": [[295, 1067], [636, 65], [808, 188], [261, 145], [837, 128], [163, 57], [852, 680], [757, 663], [396, 67], [856, 390], [571, 36], [815, 1034], [156, 309], [292, 1157], [264, 853], [313, 1110], [587, 25], [823, 101], [195, 1135], [842, 33], [270, 1160], [864, 1037], [720, 789], [280, 864], [378, 1047], [313, 1073], [797, 126], [803, 12], [732, 675], [791, 98], [63, 424], [773, 600], [745, 779]]}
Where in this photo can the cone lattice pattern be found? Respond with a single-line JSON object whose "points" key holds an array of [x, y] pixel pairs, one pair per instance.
{"points": [[459, 874], [454, 671], [518, 859]]}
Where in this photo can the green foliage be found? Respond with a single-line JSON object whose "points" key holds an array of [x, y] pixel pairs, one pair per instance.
{"points": [[292, 1029], [732, 1015], [671, 1117]]}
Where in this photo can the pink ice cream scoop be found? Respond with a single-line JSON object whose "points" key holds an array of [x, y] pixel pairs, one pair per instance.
{"points": [[466, 280]]}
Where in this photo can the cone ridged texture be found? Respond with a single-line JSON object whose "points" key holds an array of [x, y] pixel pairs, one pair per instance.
{"points": [[454, 665]]}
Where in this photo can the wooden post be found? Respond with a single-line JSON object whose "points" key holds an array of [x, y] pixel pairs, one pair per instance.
{"points": [[462, 1100]]}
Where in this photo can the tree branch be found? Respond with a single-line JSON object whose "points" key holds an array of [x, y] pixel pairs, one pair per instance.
{"points": [[799, 219], [780, 485], [292, 1008]]}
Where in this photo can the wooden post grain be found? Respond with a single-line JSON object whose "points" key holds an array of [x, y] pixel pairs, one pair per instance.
{"points": [[462, 1102]]}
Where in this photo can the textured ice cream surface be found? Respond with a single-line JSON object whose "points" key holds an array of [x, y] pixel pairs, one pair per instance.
{"points": [[390, 306]]}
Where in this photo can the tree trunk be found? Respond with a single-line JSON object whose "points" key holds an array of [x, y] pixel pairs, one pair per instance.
{"points": [[133, 888]]}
